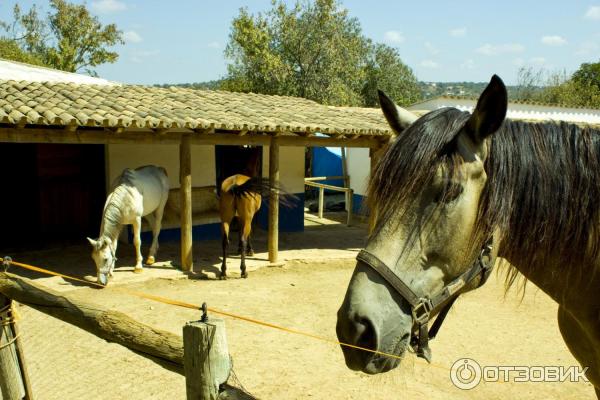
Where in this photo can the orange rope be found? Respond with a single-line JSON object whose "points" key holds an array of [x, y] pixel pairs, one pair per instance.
{"points": [[213, 310]]}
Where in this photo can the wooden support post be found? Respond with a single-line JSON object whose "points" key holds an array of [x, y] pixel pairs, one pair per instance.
{"points": [[185, 182], [274, 200], [349, 196], [206, 358], [345, 174], [321, 201], [11, 381]]}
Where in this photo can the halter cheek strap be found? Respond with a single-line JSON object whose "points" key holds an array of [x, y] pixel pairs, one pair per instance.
{"points": [[422, 308]]}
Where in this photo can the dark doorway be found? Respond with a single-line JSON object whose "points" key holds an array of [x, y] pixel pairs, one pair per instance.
{"points": [[231, 160], [53, 194]]}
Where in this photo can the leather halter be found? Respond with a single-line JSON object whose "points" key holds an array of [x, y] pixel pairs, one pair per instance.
{"points": [[423, 308]]}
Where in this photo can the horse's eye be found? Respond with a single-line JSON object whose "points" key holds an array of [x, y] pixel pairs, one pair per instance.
{"points": [[449, 193]]}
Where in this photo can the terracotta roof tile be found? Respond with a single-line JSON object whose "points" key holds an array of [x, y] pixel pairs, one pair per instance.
{"points": [[63, 104]]}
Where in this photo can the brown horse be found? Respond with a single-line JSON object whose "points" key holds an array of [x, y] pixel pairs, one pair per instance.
{"points": [[241, 196], [450, 183]]}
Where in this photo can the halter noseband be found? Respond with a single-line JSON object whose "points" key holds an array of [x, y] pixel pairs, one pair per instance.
{"points": [[422, 308]]}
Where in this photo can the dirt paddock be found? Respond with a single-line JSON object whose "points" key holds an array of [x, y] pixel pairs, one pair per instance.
{"points": [[68, 363]]}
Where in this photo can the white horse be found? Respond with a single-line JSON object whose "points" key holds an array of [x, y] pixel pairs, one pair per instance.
{"points": [[138, 193]]}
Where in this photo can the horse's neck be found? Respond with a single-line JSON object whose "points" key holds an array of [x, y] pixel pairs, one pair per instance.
{"points": [[112, 218]]}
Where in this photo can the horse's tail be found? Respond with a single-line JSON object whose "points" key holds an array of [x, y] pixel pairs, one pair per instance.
{"points": [[263, 187]]}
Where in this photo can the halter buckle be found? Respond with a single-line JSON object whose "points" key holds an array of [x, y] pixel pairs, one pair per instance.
{"points": [[421, 311]]}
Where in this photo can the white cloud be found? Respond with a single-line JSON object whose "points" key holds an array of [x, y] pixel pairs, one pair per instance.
{"points": [[139, 56], [468, 64], [458, 32], [108, 6], [431, 48], [393, 37], [593, 13], [214, 45], [429, 64], [494, 50], [132, 37], [553, 40]]}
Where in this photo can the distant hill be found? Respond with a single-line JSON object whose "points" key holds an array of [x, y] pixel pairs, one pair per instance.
{"points": [[460, 89], [429, 89]]}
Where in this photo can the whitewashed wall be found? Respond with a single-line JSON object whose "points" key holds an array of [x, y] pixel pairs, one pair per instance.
{"points": [[121, 156], [291, 167], [359, 166]]}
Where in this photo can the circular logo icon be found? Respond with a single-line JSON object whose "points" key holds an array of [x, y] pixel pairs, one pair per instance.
{"points": [[465, 373]]}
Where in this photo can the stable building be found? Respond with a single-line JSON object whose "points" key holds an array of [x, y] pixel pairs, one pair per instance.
{"points": [[64, 141]]}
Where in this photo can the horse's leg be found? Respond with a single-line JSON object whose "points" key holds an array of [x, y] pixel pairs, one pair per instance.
{"points": [[157, 216], [249, 249], [583, 342], [245, 229], [241, 247], [115, 242], [151, 221], [137, 242], [225, 242]]}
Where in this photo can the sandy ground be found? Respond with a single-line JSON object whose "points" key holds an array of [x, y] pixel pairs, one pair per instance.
{"points": [[487, 326]]}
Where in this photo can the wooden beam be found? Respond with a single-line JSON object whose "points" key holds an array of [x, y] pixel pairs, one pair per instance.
{"points": [[99, 136], [162, 347], [274, 200], [115, 131], [185, 184]]}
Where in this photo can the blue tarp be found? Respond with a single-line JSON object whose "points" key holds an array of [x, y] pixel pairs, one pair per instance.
{"points": [[326, 163]]}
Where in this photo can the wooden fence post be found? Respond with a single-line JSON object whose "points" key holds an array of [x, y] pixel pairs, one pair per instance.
{"points": [[321, 201], [206, 359], [11, 380]]}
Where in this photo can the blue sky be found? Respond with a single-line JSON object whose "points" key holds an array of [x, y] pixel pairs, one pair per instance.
{"points": [[183, 40]]}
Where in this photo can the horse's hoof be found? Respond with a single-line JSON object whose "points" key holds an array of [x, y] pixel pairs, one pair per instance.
{"points": [[150, 260], [137, 270], [244, 274], [250, 253], [223, 277]]}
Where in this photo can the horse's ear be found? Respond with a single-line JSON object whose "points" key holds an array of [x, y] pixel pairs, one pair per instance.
{"points": [[93, 242], [398, 118], [489, 112]]}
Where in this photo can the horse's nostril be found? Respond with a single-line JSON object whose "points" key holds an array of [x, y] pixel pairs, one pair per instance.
{"points": [[366, 335], [360, 332]]}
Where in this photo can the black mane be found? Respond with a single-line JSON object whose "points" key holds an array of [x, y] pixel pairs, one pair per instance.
{"points": [[542, 191]]}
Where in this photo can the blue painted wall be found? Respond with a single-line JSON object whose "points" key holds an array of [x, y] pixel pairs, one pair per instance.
{"points": [[290, 219]]}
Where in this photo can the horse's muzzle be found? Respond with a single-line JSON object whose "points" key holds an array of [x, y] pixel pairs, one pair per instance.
{"points": [[102, 279]]}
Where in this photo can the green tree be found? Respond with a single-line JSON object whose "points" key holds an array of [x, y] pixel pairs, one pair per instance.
{"points": [[312, 50], [386, 71], [588, 74], [10, 50], [70, 38]]}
